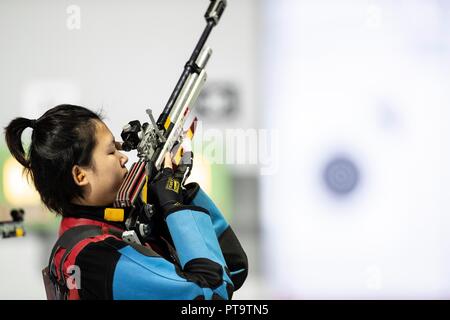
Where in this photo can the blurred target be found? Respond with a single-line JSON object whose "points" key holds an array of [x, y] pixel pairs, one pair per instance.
{"points": [[341, 176]]}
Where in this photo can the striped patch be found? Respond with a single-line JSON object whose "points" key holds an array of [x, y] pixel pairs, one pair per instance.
{"points": [[131, 186]]}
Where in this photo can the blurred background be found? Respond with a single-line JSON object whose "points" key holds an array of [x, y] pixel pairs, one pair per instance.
{"points": [[324, 130]]}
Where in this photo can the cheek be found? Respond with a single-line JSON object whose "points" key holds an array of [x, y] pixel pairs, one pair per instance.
{"points": [[110, 173], [116, 170]]}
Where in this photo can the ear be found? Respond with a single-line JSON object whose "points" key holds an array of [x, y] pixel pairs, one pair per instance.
{"points": [[79, 176]]}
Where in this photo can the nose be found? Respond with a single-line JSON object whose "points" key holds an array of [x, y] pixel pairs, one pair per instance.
{"points": [[123, 159]]}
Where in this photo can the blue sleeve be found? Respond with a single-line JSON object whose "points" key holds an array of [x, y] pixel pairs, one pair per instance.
{"points": [[201, 199], [202, 272], [232, 250]]}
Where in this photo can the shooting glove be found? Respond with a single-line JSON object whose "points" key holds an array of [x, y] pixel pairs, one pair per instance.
{"points": [[166, 192]]}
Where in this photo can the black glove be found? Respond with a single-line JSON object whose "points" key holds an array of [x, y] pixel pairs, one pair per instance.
{"points": [[166, 192], [189, 192]]}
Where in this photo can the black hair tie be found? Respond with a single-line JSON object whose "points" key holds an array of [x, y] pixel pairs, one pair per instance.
{"points": [[32, 124]]}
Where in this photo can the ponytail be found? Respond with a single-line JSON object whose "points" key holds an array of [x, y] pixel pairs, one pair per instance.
{"points": [[13, 135]]}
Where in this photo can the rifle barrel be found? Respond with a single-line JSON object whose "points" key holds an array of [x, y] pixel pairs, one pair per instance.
{"points": [[212, 16]]}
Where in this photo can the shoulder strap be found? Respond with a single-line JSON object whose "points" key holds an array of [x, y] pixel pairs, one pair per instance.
{"points": [[68, 241]]}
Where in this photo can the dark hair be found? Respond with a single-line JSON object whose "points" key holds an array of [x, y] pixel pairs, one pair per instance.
{"points": [[62, 137]]}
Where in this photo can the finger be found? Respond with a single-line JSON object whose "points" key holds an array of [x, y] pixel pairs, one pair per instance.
{"points": [[168, 161]]}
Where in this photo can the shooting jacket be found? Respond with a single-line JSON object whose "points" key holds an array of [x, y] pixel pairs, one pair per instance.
{"points": [[201, 259]]}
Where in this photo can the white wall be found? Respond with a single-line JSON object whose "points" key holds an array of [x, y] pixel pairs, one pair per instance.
{"points": [[366, 80]]}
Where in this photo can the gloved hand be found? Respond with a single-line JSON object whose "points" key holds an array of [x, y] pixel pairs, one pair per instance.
{"points": [[184, 170], [166, 190]]}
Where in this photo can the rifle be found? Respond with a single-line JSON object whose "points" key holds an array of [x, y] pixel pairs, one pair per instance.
{"points": [[154, 139], [14, 228]]}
